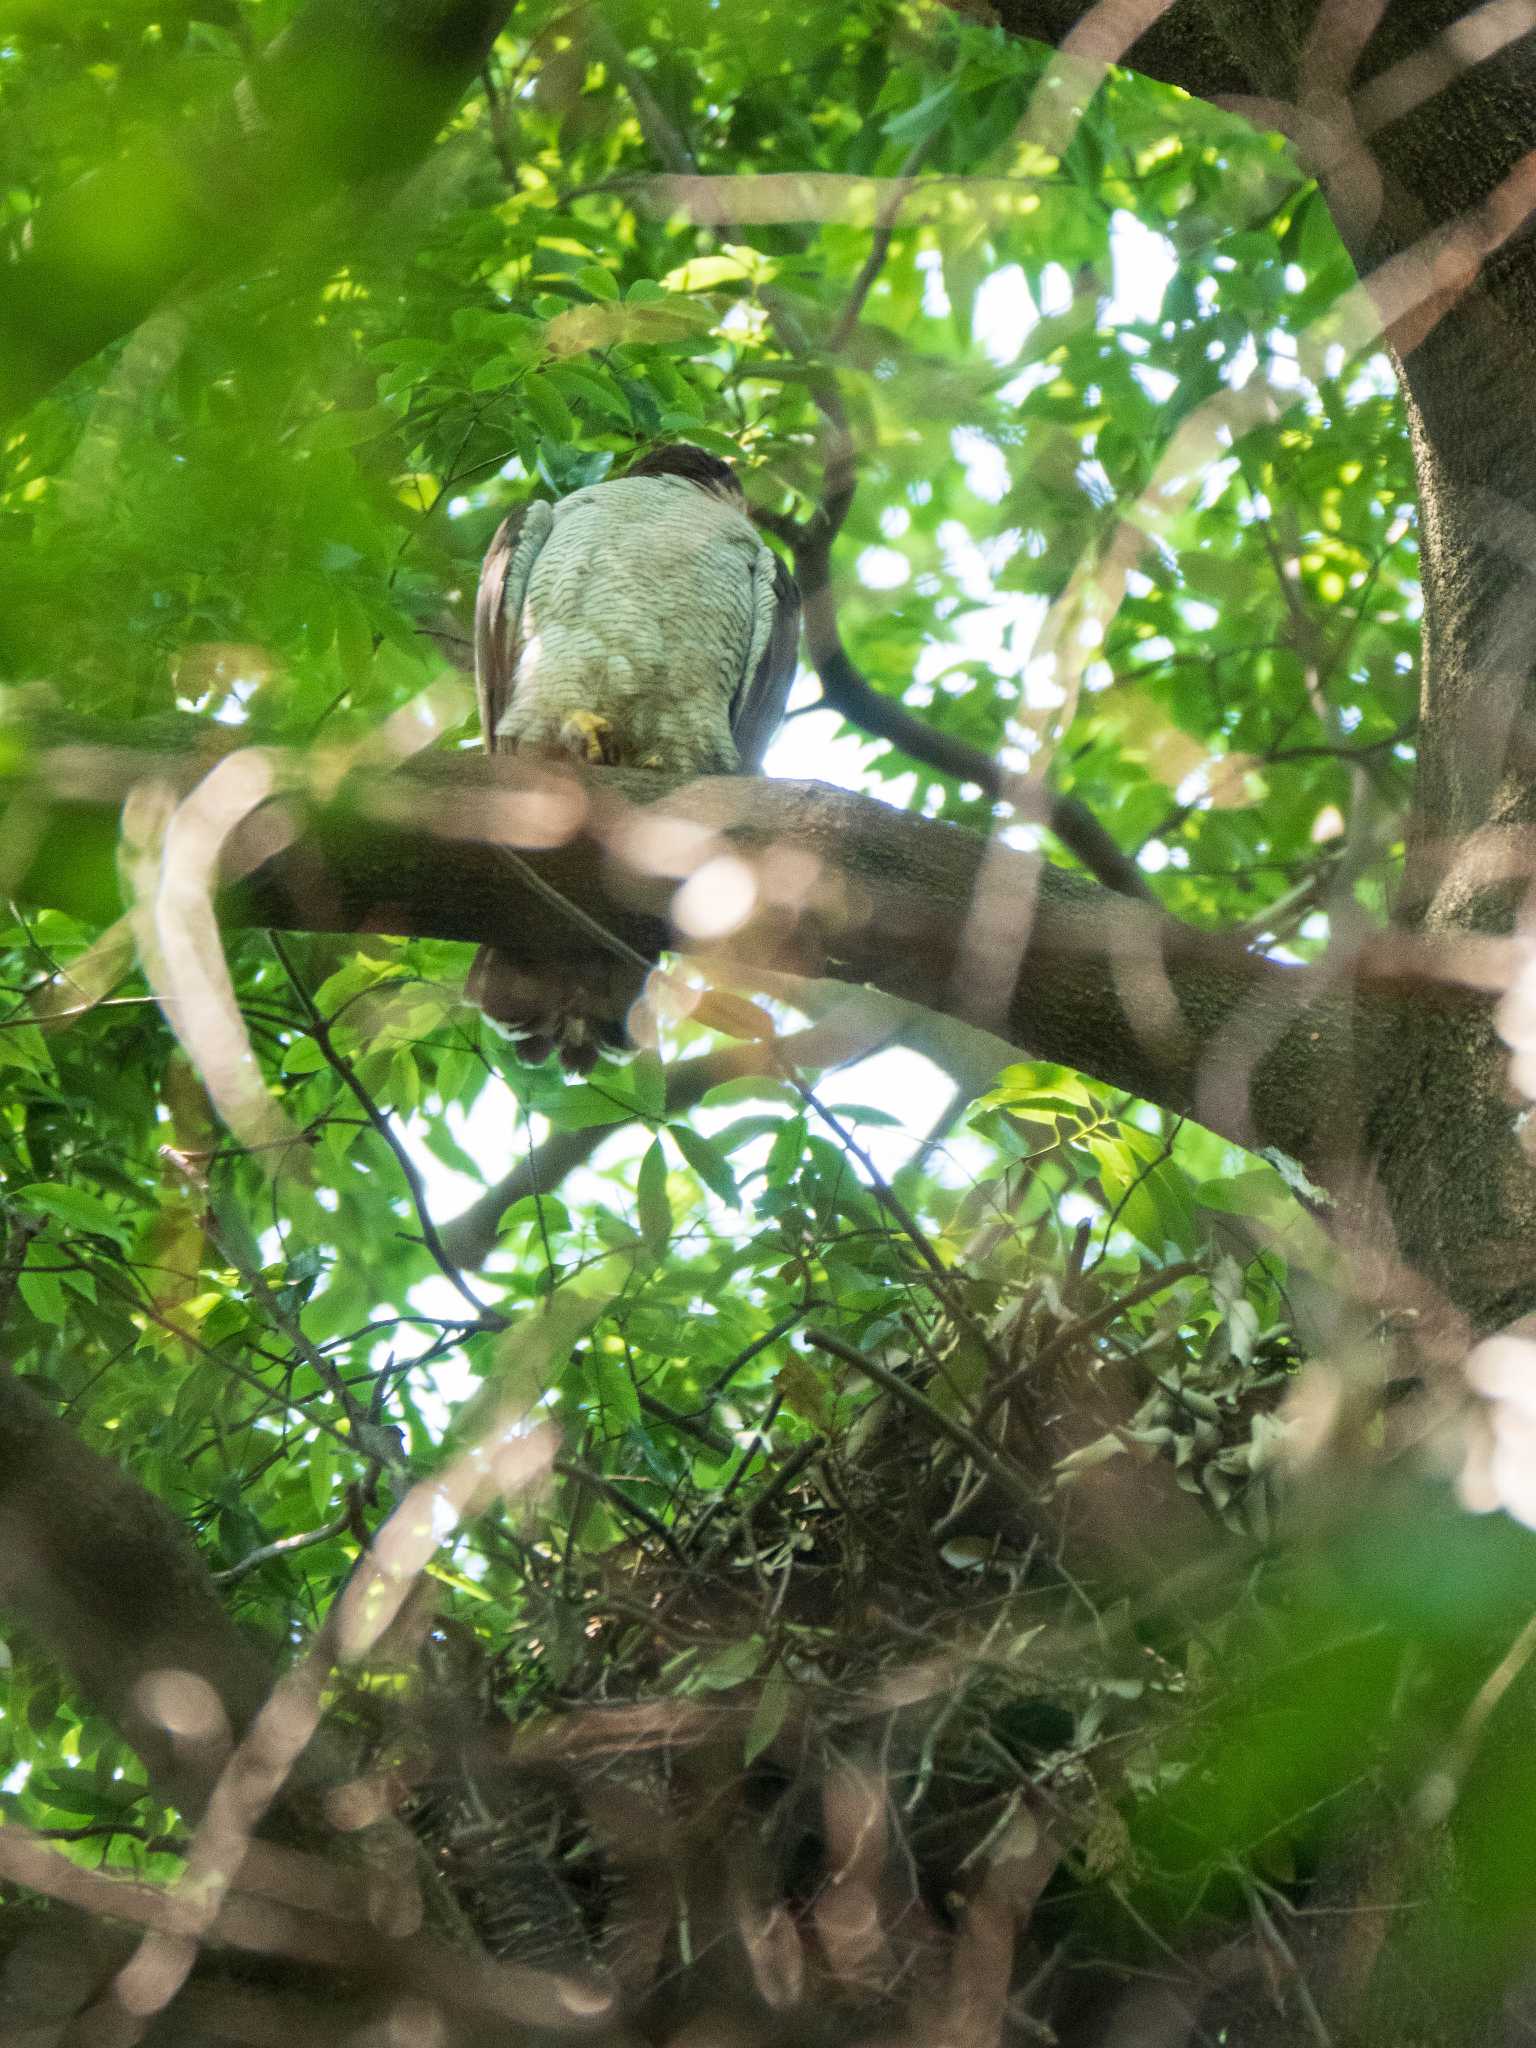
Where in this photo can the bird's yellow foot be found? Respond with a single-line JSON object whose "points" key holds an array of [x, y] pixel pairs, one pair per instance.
{"points": [[589, 736]]}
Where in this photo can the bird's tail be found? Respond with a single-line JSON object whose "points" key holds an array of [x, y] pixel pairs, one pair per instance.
{"points": [[577, 1009]]}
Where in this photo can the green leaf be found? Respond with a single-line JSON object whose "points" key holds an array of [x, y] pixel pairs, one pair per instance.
{"points": [[785, 1153], [76, 1207], [501, 372], [652, 1209], [731, 1666], [23, 1045], [707, 1161], [639, 1086], [547, 1210], [583, 1107], [303, 1057], [594, 393], [349, 429], [612, 1386], [43, 1296], [773, 1703], [926, 118], [547, 409], [704, 273]]}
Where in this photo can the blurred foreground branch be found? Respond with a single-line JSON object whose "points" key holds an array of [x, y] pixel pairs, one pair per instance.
{"points": [[346, 95], [781, 878], [105, 1579]]}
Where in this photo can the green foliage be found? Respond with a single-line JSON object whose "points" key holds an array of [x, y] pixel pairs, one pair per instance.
{"points": [[267, 506]]}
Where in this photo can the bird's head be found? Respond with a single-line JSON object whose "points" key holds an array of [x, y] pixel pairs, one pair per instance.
{"points": [[694, 466]]}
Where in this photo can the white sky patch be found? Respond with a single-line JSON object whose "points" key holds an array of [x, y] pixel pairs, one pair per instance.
{"points": [[1004, 313], [1158, 648], [935, 298], [1282, 368], [1144, 266], [1018, 388], [965, 560], [895, 1080], [1215, 481], [1373, 379], [1022, 838], [1094, 479], [810, 747], [1042, 687], [1159, 385], [487, 1130], [1055, 290], [448, 1382], [986, 466], [740, 319], [883, 568]]}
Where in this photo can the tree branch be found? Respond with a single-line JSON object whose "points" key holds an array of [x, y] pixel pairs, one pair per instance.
{"points": [[1182, 45], [843, 885], [848, 690], [470, 1237]]}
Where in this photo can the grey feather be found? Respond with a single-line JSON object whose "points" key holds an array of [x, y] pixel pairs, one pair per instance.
{"points": [[758, 708], [499, 601], [648, 602], [640, 621]]}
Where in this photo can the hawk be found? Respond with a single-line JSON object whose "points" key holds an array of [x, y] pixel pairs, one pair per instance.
{"points": [[641, 622]]}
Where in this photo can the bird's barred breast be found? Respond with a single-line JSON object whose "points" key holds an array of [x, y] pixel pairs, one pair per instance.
{"points": [[639, 609]]}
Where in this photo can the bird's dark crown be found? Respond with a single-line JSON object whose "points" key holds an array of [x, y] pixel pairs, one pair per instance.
{"points": [[695, 465]]}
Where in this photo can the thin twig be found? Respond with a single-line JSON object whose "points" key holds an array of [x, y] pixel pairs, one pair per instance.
{"points": [[284, 1546], [914, 1399], [880, 243], [583, 1475], [342, 1068], [1076, 1332], [225, 1242], [943, 1279]]}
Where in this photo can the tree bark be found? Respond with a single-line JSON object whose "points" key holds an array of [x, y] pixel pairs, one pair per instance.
{"points": [[1419, 118], [838, 885]]}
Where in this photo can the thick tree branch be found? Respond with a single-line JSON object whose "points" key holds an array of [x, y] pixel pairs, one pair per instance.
{"points": [[1419, 118], [350, 92], [1188, 43], [843, 886]]}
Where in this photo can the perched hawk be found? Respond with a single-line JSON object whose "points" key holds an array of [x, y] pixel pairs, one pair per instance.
{"points": [[640, 622]]}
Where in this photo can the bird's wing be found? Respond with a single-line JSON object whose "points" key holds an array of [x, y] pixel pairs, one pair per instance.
{"points": [[758, 704], [504, 578]]}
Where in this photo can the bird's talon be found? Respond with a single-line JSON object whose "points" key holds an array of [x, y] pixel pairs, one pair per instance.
{"points": [[589, 736]]}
